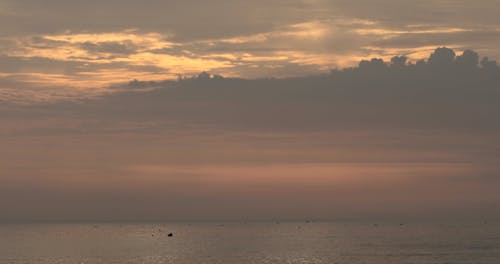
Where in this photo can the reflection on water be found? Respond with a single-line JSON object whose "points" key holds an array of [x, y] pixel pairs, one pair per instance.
{"points": [[273, 242]]}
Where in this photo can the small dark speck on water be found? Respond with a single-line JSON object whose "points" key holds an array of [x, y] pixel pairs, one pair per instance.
{"points": [[170, 234]]}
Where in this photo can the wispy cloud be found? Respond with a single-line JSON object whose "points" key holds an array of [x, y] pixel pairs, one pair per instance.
{"points": [[298, 38]]}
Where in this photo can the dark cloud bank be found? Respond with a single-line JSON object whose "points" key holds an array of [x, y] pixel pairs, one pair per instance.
{"points": [[447, 91]]}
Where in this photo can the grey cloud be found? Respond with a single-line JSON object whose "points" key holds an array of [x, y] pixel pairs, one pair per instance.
{"points": [[390, 12], [110, 47], [447, 92], [413, 95], [467, 38], [232, 18], [176, 17], [11, 65]]}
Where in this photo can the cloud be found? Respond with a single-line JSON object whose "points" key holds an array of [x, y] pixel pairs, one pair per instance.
{"points": [[405, 94], [256, 39], [370, 138], [414, 95], [109, 47], [152, 15]]}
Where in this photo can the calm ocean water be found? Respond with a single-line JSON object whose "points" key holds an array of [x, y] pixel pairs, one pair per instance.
{"points": [[233, 243]]}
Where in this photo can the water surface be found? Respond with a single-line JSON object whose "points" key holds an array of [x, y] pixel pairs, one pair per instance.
{"points": [[233, 243]]}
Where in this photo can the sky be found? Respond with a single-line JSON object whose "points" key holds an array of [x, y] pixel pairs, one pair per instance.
{"points": [[105, 114], [83, 46]]}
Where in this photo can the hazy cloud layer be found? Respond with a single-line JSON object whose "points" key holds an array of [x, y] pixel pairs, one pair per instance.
{"points": [[383, 139]]}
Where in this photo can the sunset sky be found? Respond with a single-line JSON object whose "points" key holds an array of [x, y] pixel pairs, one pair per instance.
{"points": [[83, 46], [280, 137]]}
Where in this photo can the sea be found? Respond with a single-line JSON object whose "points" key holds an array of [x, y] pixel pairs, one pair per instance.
{"points": [[252, 242]]}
